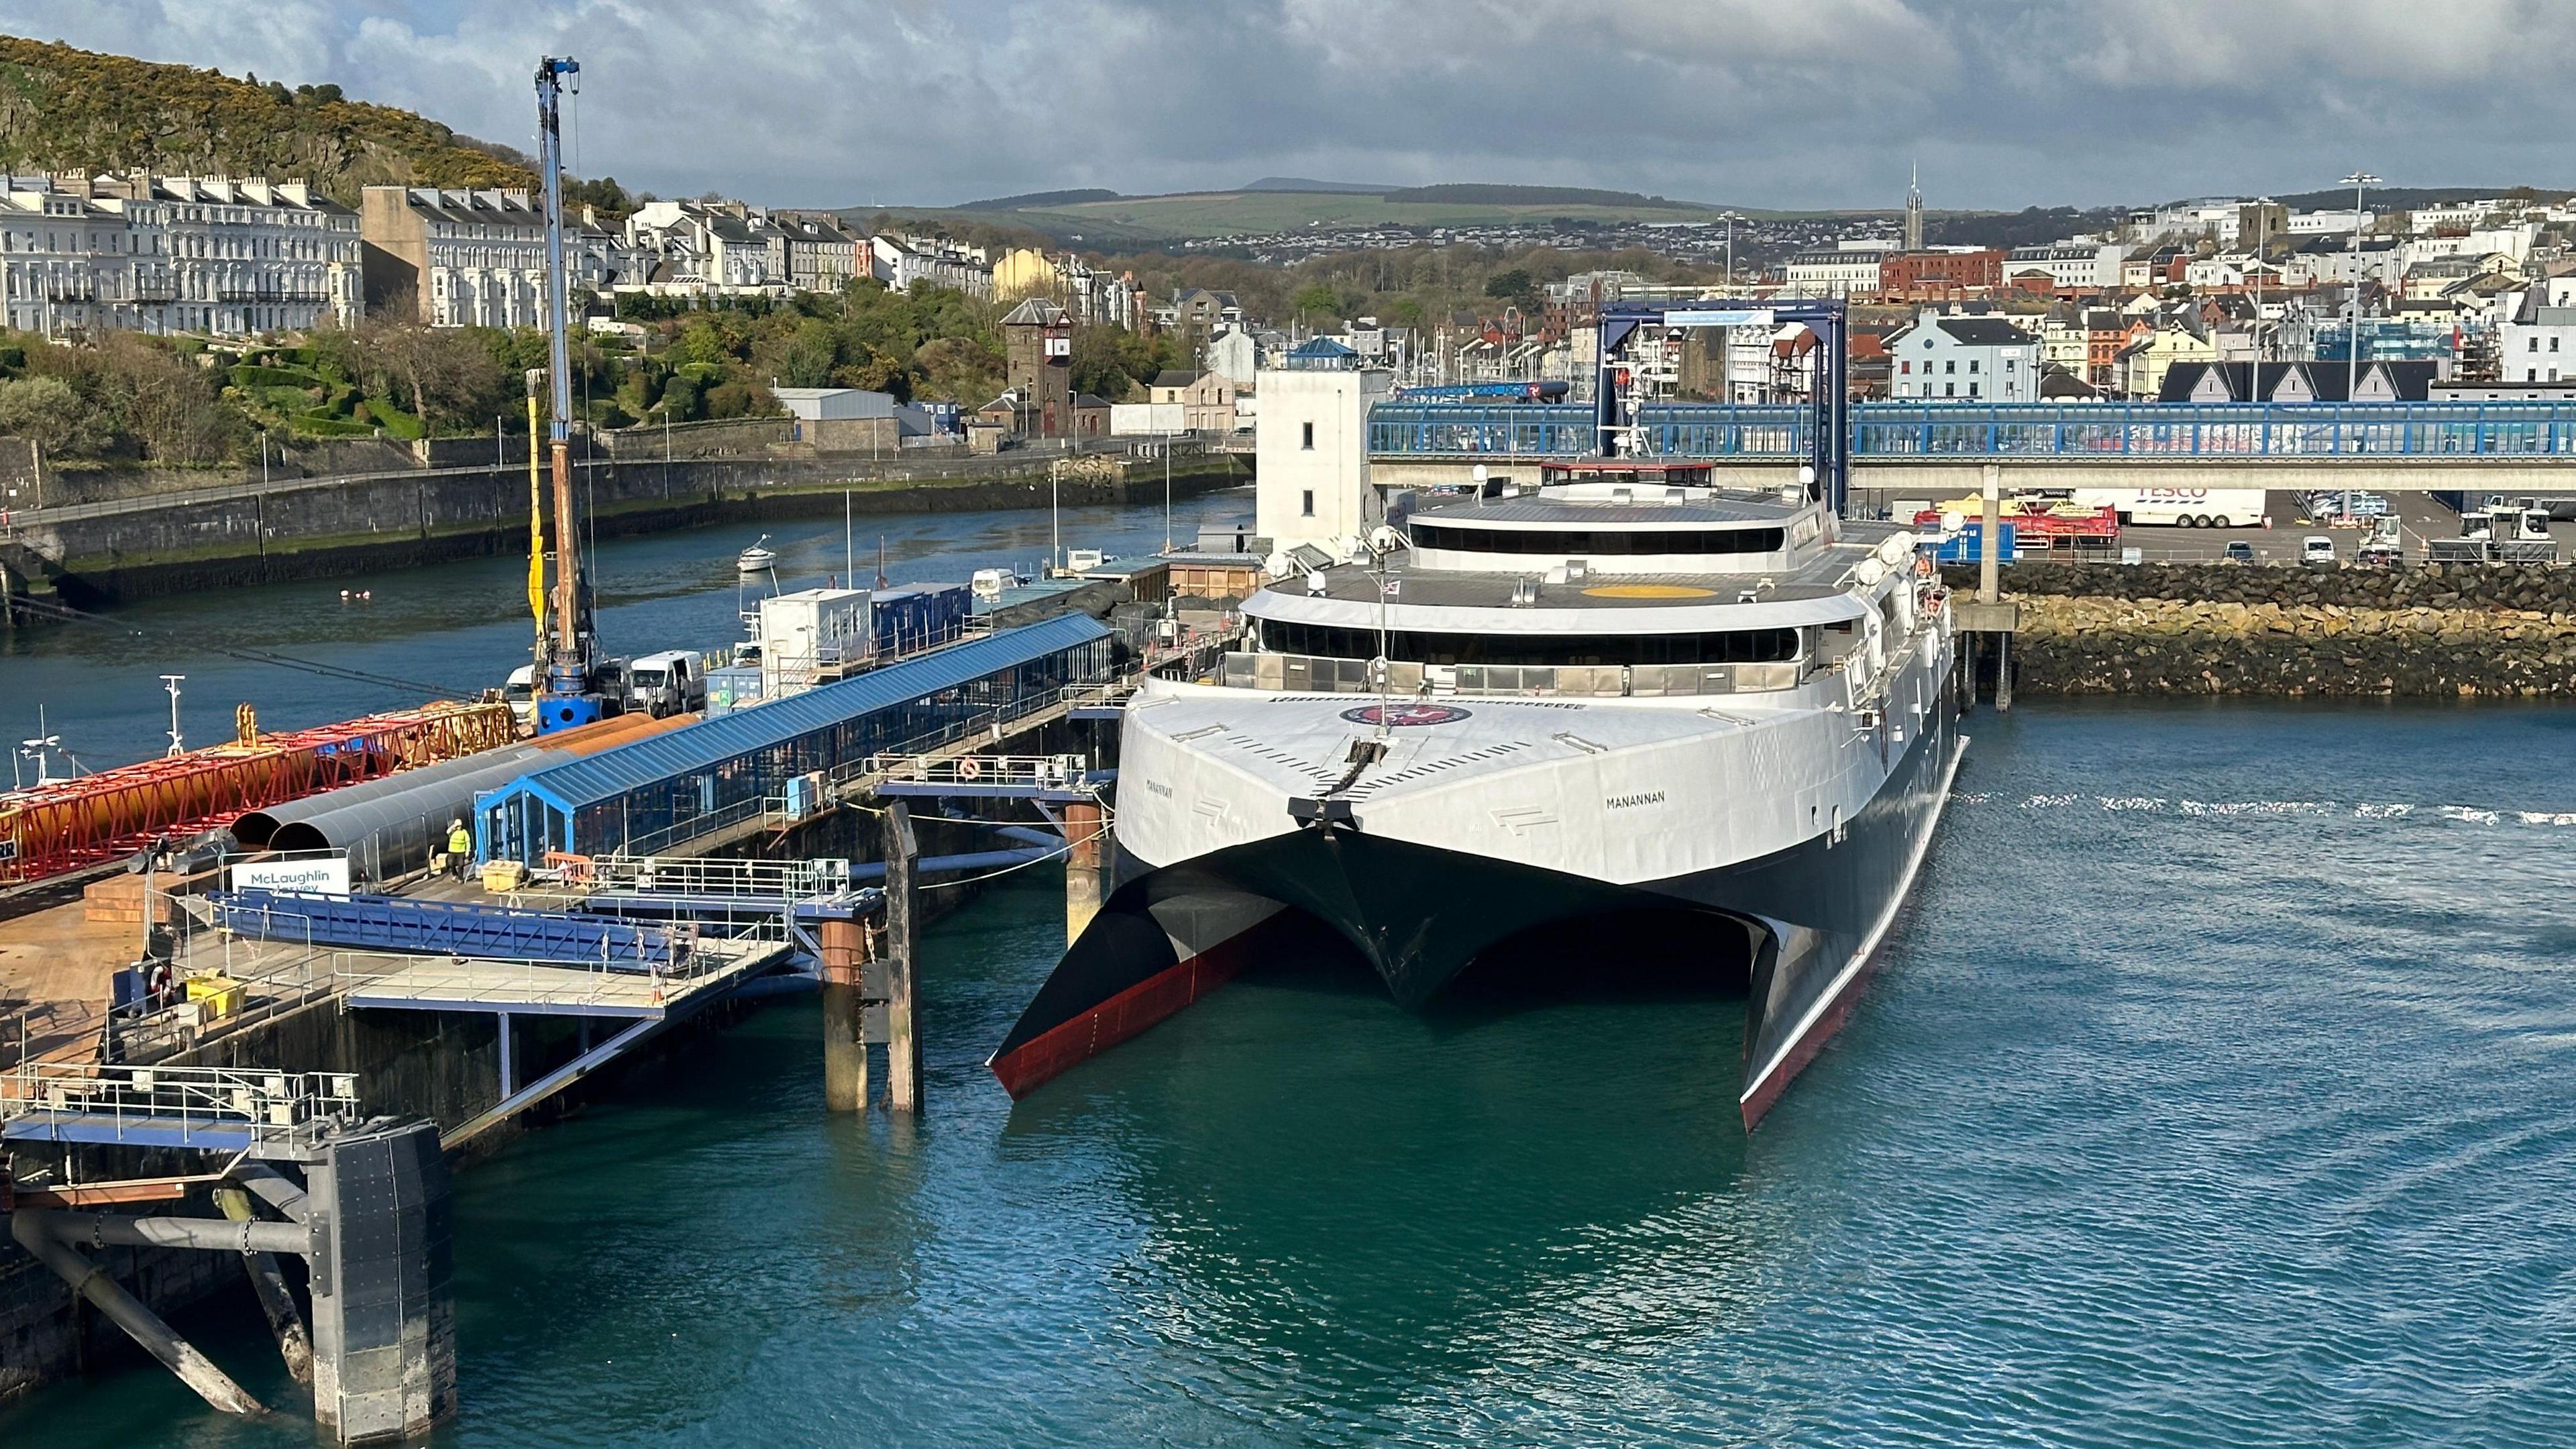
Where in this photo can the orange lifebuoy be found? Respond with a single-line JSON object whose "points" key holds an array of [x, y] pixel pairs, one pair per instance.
{"points": [[969, 768]]}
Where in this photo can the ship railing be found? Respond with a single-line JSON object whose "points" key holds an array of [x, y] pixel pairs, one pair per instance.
{"points": [[1311, 674]]}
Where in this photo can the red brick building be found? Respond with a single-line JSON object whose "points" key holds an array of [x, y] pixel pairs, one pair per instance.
{"points": [[1940, 276]]}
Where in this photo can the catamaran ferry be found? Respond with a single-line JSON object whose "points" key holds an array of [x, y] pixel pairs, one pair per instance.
{"points": [[1612, 700]]}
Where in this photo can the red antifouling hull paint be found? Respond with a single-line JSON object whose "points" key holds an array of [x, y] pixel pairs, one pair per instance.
{"points": [[1079, 1039]]}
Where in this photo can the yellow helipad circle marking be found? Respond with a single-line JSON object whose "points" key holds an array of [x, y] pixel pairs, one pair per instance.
{"points": [[1649, 591]]}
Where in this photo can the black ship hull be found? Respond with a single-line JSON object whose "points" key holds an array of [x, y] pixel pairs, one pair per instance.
{"points": [[1796, 929]]}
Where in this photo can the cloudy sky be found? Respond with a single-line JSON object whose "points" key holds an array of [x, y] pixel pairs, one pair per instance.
{"points": [[1770, 103]]}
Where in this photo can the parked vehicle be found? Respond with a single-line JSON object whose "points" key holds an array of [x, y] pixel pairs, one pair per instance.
{"points": [[2331, 506], [2178, 507], [665, 684], [521, 694], [2317, 549], [2239, 551]]}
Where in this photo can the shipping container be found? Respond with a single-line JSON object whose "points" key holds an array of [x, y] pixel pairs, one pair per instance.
{"points": [[1966, 546], [909, 618]]}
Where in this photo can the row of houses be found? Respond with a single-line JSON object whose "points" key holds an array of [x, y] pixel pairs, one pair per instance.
{"points": [[138, 252], [224, 256]]}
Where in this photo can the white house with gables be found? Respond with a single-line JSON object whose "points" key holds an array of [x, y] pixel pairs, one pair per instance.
{"points": [[1985, 359]]}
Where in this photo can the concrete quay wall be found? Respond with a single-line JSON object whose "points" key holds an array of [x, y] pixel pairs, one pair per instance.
{"points": [[2455, 631], [107, 553]]}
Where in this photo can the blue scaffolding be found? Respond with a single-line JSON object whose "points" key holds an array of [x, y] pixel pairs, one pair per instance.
{"points": [[646, 797], [1912, 429]]}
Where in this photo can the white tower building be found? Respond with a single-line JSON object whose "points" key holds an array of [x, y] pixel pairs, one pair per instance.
{"points": [[1310, 449]]}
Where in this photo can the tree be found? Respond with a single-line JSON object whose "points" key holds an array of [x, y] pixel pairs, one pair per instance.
{"points": [[802, 358], [449, 376], [1316, 299], [1098, 367], [1514, 283], [168, 404], [58, 420]]}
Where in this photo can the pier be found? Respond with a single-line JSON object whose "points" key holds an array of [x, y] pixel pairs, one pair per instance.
{"points": [[644, 886]]}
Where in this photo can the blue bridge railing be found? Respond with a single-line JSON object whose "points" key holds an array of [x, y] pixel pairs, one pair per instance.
{"points": [[2095, 431]]}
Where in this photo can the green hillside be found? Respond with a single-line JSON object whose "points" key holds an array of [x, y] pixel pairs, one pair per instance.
{"points": [[1228, 213], [71, 110]]}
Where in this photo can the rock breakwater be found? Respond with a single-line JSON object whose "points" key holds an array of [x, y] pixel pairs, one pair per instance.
{"points": [[2434, 630]]}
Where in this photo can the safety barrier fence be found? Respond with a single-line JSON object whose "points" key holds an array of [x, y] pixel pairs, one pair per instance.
{"points": [[1897, 430]]}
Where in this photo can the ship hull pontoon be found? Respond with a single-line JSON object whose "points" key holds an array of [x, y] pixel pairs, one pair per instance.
{"points": [[1793, 930]]}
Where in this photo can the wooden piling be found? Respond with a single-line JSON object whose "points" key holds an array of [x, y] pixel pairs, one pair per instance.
{"points": [[1087, 851], [2003, 672], [845, 1046], [903, 1045]]}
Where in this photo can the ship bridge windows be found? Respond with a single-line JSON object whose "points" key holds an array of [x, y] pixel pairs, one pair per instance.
{"points": [[1597, 543], [1734, 646]]}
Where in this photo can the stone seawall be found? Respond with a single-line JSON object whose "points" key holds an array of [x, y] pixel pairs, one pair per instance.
{"points": [[333, 528], [2448, 631]]}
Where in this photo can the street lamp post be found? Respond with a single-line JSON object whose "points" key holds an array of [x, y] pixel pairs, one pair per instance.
{"points": [[1730, 218], [2352, 326]]}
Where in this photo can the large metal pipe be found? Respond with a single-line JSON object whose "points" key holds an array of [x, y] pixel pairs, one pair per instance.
{"points": [[391, 833], [218, 1234], [31, 1227], [272, 1187], [973, 860], [285, 1323], [257, 829]]}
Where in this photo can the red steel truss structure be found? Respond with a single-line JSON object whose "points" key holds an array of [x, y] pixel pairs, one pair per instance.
{"points": [[71, 823]]}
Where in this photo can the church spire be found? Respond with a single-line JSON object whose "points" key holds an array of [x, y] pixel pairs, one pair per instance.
{"points": [[1914, 210]]}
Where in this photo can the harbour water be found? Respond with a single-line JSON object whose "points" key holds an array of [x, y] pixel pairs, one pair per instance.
{"points": [[462, 627], [2220, 1090]]}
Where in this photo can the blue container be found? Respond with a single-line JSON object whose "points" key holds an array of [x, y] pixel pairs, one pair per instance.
{"points": [[1969, 546], [909, 618]]}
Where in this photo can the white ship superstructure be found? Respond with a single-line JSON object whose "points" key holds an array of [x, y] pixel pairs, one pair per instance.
{"points": [[1623, 706]]}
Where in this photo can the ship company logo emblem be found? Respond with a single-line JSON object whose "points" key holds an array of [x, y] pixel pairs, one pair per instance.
{"points": [[1405, 716]]}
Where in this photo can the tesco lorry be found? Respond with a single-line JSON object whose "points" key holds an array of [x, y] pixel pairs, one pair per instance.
{"points": [[2179, 507]]}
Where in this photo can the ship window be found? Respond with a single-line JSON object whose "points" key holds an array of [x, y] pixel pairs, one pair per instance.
{"points": [[1738, 646], [1586, 543]]}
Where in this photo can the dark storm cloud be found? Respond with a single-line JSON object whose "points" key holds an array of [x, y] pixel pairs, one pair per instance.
{"points": [[1807, 103]]}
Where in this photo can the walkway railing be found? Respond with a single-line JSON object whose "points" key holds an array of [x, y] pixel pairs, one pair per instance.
{"points": [[2094, 432], [219, 1102]]}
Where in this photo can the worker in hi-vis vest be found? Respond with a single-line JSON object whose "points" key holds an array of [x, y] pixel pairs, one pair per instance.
{"points": [[460, 847]]}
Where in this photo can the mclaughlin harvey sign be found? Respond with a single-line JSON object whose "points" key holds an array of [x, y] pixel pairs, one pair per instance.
{"points": [[327, 876]]}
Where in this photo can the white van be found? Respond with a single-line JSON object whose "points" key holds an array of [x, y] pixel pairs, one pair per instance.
{"points": [[2316, 548], [521, 693], [666, 684]]}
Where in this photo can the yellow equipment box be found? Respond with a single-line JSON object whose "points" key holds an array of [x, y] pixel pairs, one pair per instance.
{"points": [[217, 996]]}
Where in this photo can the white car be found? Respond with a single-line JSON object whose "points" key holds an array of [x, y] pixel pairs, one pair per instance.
{"points": [[2316, 548]]}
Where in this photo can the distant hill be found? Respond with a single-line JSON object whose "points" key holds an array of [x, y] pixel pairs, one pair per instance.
{"points": [[1040, 198], [2400, 198], [69, 110], [1486, 195], [1326, 188]]}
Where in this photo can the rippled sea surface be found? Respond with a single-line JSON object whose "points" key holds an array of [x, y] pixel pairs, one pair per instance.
{"points": [[2218, 1092]]}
